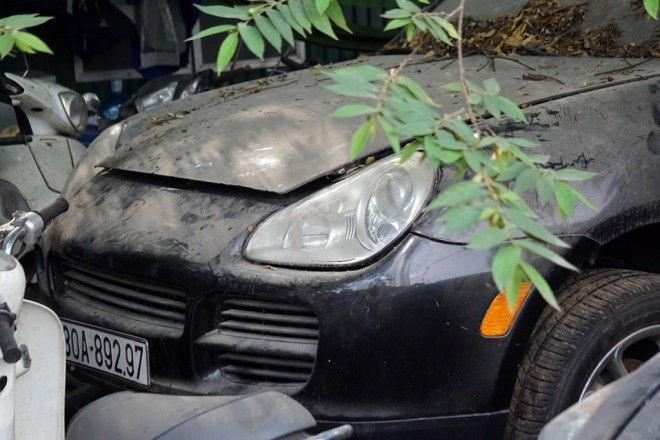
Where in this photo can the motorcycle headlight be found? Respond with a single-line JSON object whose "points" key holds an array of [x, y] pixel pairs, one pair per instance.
{"points": [[190, 88], [75, 108], [103, 146], [348, 222], [160, 96]]}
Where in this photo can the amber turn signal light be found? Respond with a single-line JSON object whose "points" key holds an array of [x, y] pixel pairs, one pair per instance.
{"points": [[498, 317]]}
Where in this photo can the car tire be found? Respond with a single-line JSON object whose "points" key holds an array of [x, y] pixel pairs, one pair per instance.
{"points": [[575, 351]]}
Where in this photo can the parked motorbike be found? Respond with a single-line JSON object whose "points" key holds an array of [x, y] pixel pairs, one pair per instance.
{"points": [[32, 367], [38, 123], [169, 88]]}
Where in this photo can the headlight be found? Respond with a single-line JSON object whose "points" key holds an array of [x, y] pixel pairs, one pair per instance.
{"points": [[103, 146], [160, 96], [76, 110], [348, 222], [190, 88]]}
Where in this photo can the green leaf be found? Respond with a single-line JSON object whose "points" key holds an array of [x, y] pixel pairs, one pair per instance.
{"points": [[511, 109], [564, 198], [512, 287], [547, 254], [526, 180], [397, 23], [268, 31], [366, 73], [226, 51], [288, 16], [353, 90], [492, 87], [22, 21], [360, 138], [462, 192], [523, 143], [492, 106], [541, 284], [544, 188], [408, 151], [300, 16], [453, 87], [419, 23], [651, 7], [410, 31], [461, 129], [252, 39], [6, 44], [212, 31], [408, 5], [32, 41], [281, 25], [351, 110], [459, 218], [224, 12], [532, 229], [24, 47], [391, 134], [415, 89], [504, 264], [487, 238], [322, 6], [320, 22], [447, 26], [511, 172], [570, 174], [582, 198], [438, 32], [396, 13], [337, 16]]}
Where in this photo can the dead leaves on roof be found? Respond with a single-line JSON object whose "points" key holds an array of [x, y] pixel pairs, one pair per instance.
{"points": [[541, 27]]}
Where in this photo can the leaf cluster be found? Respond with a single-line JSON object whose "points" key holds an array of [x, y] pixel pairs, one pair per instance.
{"points": [[272, 21], [12, 34]]}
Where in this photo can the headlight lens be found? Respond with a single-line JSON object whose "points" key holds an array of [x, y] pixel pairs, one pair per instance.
{"points": [[348, 222], [154, 99], [76, 110], [190, 88], [103, 146]]}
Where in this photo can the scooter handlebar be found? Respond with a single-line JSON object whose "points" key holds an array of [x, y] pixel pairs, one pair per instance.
{"points": [[10, 351], [59, 206]]}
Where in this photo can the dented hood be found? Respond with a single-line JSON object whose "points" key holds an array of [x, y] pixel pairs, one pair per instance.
{"points": [[276, 135]]}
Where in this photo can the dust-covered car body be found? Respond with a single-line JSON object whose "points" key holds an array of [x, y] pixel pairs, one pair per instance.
{"points": [[154, 247]]}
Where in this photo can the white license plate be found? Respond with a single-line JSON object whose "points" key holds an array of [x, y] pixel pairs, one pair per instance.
{"points": [[114, 353]]}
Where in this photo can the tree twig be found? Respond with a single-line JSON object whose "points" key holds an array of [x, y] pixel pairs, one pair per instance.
{"points": [[623, 69]]}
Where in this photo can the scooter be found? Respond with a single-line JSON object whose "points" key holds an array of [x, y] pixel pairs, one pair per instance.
{"points": [[39, 122], [32, 367]]}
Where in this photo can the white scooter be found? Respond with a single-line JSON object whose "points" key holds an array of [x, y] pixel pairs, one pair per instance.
{"points": [[39, 121], [32, 366]]}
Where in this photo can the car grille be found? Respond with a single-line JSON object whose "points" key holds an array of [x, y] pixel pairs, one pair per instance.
{"points": [[261, 341], [132, 298]]}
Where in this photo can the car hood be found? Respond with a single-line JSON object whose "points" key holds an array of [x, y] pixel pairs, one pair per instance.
{"points": [[276, 134]]}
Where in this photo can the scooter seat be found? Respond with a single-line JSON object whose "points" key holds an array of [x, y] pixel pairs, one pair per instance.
{"points": [[128, 415]]}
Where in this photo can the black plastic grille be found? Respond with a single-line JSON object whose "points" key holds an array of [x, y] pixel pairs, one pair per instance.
{"points": [[262, 341], [141, 300]]}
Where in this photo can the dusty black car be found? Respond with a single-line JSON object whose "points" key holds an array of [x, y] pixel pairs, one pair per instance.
{"points": [[226, 244]]}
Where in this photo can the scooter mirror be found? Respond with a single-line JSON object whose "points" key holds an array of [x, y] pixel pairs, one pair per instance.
{"points": [[10, 87], [93, 102]]}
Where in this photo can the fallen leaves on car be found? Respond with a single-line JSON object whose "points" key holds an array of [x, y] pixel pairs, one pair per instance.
{"points": [[539, 28], [155, 121]]}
